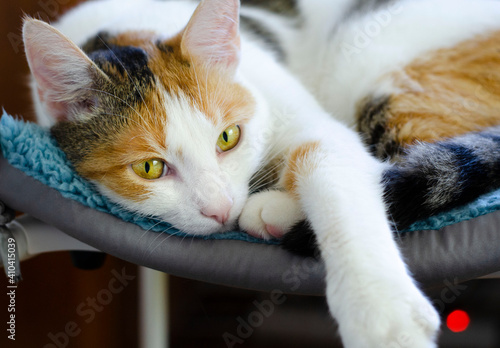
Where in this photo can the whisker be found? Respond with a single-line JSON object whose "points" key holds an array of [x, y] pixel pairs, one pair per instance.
{"points": [[268, 158], [161, 233], [268, 174], [206, 85], [198, 86], [117, 97], [129, 119], [265, 184], [146, 131], [149, 229], [152, 243]]}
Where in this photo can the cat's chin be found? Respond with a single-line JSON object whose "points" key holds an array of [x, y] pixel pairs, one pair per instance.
{"points": [[205, 227]]}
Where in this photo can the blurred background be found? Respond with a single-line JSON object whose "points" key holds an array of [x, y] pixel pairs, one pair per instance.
{"points": [[58, 305]]}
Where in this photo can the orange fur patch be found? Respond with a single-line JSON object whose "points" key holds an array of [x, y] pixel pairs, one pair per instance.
{"points": [[144, 138], [299, 163], [450, 92]]}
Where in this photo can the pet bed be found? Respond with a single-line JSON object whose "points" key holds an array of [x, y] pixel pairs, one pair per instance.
{"points": [[36, 178]]}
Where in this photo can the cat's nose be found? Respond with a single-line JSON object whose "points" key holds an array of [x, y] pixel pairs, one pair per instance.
{"points": [[218, 210]]}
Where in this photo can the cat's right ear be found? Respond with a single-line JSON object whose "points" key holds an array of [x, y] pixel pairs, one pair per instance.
{"points": [[63, 73], [212, 34]]}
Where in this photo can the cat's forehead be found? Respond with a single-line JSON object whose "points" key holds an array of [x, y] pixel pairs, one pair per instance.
{"points": [[141, 64]]}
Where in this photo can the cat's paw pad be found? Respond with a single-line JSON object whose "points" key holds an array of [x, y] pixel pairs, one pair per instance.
{"points": [[270, 214]]}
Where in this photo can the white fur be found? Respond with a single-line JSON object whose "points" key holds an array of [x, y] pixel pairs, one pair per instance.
{"points": [[368, 289], [348, 64], [274, 208]]}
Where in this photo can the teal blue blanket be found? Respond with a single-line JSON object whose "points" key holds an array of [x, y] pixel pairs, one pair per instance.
{"points": [[31, 149]]}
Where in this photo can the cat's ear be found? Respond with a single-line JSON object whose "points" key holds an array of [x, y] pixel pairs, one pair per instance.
{"points": [[63, 73], [212, 34]]}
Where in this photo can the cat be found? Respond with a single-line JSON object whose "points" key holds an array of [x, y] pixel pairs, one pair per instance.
{"points": [[172, 112]]}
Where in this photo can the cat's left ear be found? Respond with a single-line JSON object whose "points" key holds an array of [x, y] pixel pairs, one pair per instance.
{"points": [[212, 34], [63, 73]]}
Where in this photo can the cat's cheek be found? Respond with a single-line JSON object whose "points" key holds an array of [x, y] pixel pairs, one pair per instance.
{"points": [[234, 214], [240, 194]]}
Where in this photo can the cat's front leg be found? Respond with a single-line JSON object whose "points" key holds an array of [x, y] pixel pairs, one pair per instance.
{"points": [[270, 214], [369, 290]]}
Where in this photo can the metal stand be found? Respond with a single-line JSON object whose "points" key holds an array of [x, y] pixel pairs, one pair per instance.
{"points": [[153, 309]]}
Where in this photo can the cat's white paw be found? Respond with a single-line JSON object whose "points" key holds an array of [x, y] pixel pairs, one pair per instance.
{"points": [[403, 322], [270, 214]]}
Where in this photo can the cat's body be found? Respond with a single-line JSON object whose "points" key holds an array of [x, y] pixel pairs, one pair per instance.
{"points": [[176, 122], [402, 73]]}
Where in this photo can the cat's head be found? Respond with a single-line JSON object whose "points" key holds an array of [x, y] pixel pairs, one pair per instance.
{"points": [[162, 126]]}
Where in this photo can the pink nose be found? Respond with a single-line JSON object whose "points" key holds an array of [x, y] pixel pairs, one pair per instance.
{"points": [[219, 211]]}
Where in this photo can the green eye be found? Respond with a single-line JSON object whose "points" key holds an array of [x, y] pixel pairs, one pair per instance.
{"points": [[229, 138], [149, 169]]}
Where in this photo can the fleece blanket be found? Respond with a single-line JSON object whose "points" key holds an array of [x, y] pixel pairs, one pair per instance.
{"points": [[30, 148]]}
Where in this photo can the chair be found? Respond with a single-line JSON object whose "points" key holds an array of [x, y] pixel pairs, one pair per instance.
{"points": [[456, 253]]}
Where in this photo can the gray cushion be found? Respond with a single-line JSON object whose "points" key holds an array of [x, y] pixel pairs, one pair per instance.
{"points": [[455, 253]]}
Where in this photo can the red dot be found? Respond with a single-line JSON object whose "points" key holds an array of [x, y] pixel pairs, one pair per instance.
{"points": [[457, 321]]}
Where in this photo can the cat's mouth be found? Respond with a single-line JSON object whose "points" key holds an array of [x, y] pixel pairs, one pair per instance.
{"points": [[207, 226], [218, 211], [223, 223]]}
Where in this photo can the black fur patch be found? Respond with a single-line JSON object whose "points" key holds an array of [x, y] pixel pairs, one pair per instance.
{"points": [[259, 30], [286, 7], [410, 184], [127, 68], [123, 64], [301, 240], [372, 124], [126, 61], [167, 49], [101, 41], [405, 194], [364, 6], [494, 166]]}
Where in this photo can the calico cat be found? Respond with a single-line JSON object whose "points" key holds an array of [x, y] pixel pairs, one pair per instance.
{"points": [[172, 112]]}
